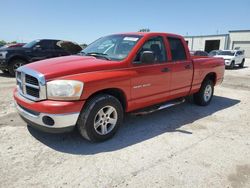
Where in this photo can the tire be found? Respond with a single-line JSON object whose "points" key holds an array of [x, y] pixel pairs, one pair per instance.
{"points": [[92, 114], [242, 63], [205, 94], [232, 65], [14, 64]]}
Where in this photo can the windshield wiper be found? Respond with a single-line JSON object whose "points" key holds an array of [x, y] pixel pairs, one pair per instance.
{"points": [[98, 54]]}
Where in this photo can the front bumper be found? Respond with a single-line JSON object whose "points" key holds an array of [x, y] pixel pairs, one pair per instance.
{"points": [[48, 116], [54, 123], [228, 62]]}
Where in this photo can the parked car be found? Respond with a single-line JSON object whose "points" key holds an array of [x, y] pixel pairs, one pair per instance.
{"points": [[13, 45], [12, 58], [232, 58], [198, 53], [132, 72], [214, 53]]}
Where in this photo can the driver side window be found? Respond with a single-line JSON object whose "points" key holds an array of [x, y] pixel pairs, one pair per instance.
{"points": [[155, 45]]}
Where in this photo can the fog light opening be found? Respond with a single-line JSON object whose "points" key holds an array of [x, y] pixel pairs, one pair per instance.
{"points": [[48, 121]]}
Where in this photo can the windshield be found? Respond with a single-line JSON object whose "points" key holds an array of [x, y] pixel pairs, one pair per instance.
{"points": [[230, 53], [113, 47], [31, 44]]}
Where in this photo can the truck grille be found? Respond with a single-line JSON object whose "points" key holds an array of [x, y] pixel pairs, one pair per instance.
{"points": [[31, 80], [31, 84]]}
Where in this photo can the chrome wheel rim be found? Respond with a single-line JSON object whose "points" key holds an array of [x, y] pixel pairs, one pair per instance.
{"points": [[105, 120], [208, 93], [16, 66]]}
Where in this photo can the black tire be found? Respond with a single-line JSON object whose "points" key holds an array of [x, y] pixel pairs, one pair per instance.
{"points": [[242, 63], [14, 64], [91, 111], [200, 98], [232, 65]]}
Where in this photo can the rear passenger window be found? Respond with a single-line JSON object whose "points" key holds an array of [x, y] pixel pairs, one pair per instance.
{"points": [[177, 49]]}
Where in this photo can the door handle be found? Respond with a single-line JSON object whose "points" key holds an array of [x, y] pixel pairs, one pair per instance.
{"points": [[187, 66], [165, 69]]}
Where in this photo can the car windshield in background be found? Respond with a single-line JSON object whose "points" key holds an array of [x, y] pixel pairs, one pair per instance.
{"points": [[31, 44], [113, 47], [226, 53]]}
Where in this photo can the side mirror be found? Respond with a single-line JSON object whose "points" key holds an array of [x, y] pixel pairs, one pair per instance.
{"points": [[37, 47], [147, 57]]}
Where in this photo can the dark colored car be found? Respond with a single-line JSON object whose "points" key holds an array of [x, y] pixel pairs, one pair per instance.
{"points": [[13, 45], [214, 53], [199, 53], [12, 58]]}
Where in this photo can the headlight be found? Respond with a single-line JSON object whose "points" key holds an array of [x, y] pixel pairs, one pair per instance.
{"points": [[3, 54], [64, 89]]}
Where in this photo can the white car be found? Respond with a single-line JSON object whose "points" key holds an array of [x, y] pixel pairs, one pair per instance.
{"points": [[232, 57]]}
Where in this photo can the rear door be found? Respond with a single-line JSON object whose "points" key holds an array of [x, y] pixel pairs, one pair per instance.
{"points": [[151, 81], [182, 70]]}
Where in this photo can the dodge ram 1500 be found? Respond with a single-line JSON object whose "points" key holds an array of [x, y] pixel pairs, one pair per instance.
{"points": [[130, 72]]}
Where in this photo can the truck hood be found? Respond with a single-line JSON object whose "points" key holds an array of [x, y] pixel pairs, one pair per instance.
{"points": [[15, 49], [69, 65], [225, 56]]}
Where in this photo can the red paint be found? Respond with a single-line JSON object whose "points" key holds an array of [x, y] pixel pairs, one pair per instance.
{"points": [[99, 74]]}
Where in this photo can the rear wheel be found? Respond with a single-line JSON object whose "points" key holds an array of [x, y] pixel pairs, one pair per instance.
{"points": [[14, 65], [205, 94], [242, 63], [100, 118]]}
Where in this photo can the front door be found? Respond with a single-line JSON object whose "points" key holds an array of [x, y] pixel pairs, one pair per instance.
{"points": [[43, 50], [151, 81]]}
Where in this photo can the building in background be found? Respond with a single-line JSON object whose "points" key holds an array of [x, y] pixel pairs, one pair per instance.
{"points": [[235, 39]]}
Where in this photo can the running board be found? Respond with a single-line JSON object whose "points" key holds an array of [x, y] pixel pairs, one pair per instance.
{"points": [[158, 107]]}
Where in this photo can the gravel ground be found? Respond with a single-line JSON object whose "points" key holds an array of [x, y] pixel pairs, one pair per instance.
{"points": [[183, 146]]}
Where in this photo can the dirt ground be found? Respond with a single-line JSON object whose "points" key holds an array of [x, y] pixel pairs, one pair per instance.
{"points": [[183, 146]]}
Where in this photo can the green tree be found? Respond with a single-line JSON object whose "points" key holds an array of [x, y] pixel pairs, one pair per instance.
{"points": [[83, 45], [2, 42]]}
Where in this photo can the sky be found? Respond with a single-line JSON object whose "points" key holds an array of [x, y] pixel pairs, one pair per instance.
{"points": [[84, 21]]}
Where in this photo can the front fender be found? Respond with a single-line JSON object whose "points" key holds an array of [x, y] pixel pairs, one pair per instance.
{"points": [[101, 80]]}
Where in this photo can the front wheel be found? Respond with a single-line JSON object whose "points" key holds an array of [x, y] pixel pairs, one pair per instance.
{"points": [[242, 63], [205, 94], [14, 65], [232, 65], [100, 118]]}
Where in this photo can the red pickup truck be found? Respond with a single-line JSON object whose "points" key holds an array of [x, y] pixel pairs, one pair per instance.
{"points": [[130, 72]]}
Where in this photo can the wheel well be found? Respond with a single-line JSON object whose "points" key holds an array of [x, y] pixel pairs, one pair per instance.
{"points": [[117, 93], [211, 76], [18, 57]]}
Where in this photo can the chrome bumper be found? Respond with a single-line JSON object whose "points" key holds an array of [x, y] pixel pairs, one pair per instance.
{"points": [[60, 120]]}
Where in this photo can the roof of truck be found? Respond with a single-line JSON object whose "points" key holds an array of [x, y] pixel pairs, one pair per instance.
{"points": [[149, 33]]}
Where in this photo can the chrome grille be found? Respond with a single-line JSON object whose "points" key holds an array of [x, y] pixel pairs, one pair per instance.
{"points": [[31, 84], [31, 80]]}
